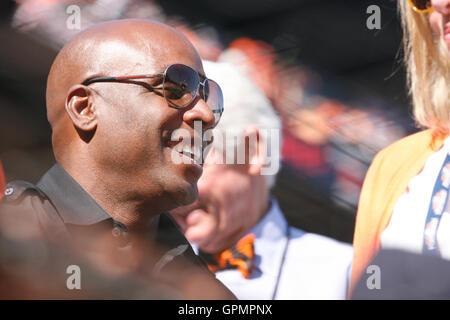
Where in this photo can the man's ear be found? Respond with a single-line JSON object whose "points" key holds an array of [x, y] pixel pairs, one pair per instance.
{"points": [[80, 108], [256, 150]]}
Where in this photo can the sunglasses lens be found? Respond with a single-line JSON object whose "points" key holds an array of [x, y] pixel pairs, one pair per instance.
{"points": [[421, 5], [214, 99], [180, 85]]}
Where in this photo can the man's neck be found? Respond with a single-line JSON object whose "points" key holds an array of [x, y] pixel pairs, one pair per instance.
{"points": [[115, 199]]}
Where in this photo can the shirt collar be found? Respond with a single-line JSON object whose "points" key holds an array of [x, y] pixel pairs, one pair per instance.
{"points": [[73, 203], [270, 240], [83, 216], [272, 226]]}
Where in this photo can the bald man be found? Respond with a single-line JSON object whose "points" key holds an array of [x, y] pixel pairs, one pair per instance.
{"points": [[116, 93]]}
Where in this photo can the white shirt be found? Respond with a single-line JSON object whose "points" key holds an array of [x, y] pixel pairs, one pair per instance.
{"points": [[405, 230], [313, 266]]}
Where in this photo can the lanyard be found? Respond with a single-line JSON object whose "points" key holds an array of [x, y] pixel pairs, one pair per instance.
{"points": [[280, 269], [438, 205]]}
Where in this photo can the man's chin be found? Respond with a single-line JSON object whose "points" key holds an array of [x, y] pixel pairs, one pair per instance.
{"points": [[186, 196], [202, 238], [206, 247]]}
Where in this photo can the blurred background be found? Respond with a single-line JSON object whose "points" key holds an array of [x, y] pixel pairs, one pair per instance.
{"points": [[338, 86]]}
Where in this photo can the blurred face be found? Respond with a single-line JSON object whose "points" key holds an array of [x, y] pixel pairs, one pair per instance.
{"points": [[439, 20], [225, 210], [136, 125]]}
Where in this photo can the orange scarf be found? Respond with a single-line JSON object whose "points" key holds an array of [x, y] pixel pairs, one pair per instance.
{"points": [[386, 180]]}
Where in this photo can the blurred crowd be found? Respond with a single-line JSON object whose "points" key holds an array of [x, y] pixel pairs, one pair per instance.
{"points": [[328, 143]]}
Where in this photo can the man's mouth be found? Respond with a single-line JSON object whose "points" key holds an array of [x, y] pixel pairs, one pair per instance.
{"points": [[194, 154], [182, 153], [190, 151], [187, 147]]}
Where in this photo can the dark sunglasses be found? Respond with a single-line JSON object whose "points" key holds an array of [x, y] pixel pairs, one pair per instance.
{"points": [[180, 86], [421, 6]]}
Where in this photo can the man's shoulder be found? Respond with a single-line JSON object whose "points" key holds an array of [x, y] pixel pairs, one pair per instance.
{"points": [[24, 203], [16, 191], [306, 243], [320, 245], [318, 264], [23, 196]]}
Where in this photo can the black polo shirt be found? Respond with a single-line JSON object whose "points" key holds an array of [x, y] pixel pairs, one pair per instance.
{"points": [[63, 210]]}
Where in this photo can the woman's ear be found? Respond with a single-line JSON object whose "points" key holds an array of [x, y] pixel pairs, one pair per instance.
{"points": [[81, 109], [256, 150]]}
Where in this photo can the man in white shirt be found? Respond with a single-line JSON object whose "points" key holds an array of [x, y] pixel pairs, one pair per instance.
{"points": [[237, 226]]}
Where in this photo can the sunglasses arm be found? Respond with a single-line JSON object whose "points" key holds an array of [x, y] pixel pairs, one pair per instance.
{"points": [[111, 79]]}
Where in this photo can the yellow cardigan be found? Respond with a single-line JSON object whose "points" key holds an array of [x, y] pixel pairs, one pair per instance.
{"points": [[386, 180]]}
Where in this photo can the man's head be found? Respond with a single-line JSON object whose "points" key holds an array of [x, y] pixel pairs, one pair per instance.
{"points": [[233, 197], [121, 131]]}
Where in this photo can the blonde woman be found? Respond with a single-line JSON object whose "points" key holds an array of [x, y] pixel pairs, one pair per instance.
{"points": [[403, 203]]}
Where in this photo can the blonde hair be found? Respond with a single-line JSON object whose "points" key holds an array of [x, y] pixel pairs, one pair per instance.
{"points": [[427, 65]]}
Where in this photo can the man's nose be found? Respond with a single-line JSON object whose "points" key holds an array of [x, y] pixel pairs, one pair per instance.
{"points": [[441, 6], [202, 185], [200, 112]]}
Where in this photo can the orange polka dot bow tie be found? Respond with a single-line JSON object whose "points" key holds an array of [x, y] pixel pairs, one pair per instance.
{"points": [[239, 257]]}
